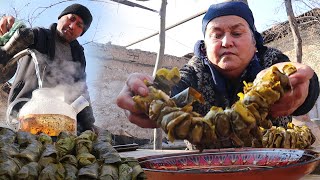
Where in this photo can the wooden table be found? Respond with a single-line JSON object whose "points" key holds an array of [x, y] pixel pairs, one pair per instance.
{"points": [[149, 152]]}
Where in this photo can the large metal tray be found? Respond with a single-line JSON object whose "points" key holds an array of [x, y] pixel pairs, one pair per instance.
{"points": [[244, 163]]}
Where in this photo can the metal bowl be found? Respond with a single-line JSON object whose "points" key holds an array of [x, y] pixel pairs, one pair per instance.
{"points": [[244, 163]]}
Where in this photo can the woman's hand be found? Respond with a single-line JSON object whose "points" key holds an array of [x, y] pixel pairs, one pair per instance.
{"points": [[135, 86], [292, 100]]}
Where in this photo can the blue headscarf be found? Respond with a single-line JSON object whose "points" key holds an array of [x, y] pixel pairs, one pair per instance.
{"points": [[232, 8]]}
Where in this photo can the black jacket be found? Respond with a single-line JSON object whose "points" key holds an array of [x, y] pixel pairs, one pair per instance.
{"points": [[26, 80]]}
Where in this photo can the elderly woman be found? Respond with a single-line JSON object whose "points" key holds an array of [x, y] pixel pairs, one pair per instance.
{"points": [[232, 52]]}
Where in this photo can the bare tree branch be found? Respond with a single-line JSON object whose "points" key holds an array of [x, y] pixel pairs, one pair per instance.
{"points": [[32, 17], [309, 3], [94, 35]]}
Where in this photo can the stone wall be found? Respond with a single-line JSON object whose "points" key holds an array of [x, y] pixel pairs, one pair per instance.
{"points": [[113, 65]]}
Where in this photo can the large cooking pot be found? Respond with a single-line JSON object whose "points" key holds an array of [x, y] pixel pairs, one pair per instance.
{"points": [[46, 112]]}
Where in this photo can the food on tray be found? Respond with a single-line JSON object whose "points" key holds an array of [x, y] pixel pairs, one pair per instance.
{"points": [[87, 156], [246, 123]]}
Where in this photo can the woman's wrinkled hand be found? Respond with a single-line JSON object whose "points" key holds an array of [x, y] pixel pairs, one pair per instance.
{"points": [[135, 86], [293, 99]]}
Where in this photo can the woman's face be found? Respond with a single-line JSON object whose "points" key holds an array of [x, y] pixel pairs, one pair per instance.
{"points": [[70, 27], [229, 44]]}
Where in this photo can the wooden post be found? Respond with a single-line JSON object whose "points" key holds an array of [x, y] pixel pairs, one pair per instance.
{"points": [[158, 132]]}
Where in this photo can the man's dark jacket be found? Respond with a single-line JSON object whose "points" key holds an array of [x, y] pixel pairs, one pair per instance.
{"points": [[26, 80]]}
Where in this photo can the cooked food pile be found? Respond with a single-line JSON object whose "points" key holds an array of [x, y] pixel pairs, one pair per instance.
{"points": [[87, 156], [292, 137], [246, 123]]}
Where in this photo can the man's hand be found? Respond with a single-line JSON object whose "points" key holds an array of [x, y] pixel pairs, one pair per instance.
{"points": [[135, 86], [6, 23]]}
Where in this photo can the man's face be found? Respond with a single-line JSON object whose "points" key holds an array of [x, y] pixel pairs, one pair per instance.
{"points": [[230, 44], [70, 27]]}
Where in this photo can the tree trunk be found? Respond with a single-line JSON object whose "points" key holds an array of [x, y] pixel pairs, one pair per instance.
{"points": [[295, 31], [158, 131]]}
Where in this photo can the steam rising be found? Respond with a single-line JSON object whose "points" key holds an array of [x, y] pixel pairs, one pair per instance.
{"points": [[64, 76]]}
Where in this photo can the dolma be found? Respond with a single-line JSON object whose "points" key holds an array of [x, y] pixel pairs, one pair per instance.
{"points": [[4, 156], [83, 146], [48, 156], [65, 134], [70, 164], [45, 161], [109, 172], [31, 153], [44, 139], [89, 172], [25, 138], [84, 142], [7, 136], [70, 172], [9, 168], [65, 144], [104, 151], [29, 171], [87, 135], [125, 172], [52, 172], [6, 132], [138, 172], [10, 149], [50, 151], [69, 159], [85, 159]]}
